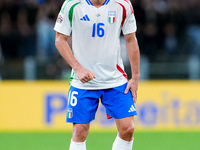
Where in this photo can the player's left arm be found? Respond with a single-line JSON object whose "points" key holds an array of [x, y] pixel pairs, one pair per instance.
{"points": [[134, 57]]}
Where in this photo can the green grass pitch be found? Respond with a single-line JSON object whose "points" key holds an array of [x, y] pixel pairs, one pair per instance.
{"points": [[100, 141]]}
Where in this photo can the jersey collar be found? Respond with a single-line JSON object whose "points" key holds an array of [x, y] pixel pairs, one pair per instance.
{"points": [[90, 3]]}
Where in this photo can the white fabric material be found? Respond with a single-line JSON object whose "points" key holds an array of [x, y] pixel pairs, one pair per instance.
{"points": [[96, 39], [77, 145], [120, 144]]}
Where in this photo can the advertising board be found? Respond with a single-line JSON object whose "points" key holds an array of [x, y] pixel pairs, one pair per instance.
{"points": [[42, 106]]}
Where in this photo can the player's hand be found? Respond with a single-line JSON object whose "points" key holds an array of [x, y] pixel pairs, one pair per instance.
{"points": [[84, 75], [133, 86]]}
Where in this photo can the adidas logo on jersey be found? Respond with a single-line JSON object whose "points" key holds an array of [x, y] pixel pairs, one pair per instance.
{"points": [[85, 18], [132, 109]]}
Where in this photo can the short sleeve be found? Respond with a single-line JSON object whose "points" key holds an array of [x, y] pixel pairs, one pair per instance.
{"points": [[62, 24], [129, 25]]}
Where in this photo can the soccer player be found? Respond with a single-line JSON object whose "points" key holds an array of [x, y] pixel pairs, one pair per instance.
{"points": [[97, 67]]}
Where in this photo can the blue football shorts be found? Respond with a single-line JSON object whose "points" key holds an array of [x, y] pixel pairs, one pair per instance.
{"points": [[83, 104]]}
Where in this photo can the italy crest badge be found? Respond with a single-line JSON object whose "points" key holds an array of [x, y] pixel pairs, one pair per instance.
{"points": [[111, 16], [69, 113]]}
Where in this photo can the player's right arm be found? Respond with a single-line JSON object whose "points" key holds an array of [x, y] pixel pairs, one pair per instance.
{"points": [[63, 28], [82, 73]]}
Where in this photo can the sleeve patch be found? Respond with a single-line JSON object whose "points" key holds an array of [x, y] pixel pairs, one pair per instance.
{"points": [[59, 19]]}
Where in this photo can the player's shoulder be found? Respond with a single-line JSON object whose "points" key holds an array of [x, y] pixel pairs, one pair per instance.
{"points": [[68, 4], [125, 3], [72, 1]]}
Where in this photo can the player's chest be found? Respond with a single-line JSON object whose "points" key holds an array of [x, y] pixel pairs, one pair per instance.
{"points": [[104, 16]]}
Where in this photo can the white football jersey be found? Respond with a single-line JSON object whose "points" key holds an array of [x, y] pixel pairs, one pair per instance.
{"points": [[96, 39]]}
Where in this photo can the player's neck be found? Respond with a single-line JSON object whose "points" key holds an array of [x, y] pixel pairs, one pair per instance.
{"points": [[97, 3]]}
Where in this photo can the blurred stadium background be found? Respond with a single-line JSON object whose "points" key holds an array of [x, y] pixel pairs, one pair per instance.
{"points": [[34, 78]]}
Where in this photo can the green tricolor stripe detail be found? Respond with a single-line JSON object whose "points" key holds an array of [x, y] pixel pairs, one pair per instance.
{"points": [[71, 78], [71, 13], [63, 7]]}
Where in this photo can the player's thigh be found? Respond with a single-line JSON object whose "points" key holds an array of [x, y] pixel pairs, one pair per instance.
{"points": [[125, 123], [125, 128], [80, 132]]}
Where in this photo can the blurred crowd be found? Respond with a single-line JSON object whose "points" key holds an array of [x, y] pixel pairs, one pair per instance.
{"points": [[26, 27], [166, 28]]}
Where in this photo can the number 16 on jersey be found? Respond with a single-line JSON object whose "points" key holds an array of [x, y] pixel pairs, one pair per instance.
{"points": [[98, 30]]}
